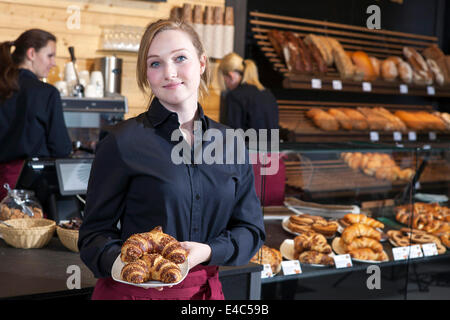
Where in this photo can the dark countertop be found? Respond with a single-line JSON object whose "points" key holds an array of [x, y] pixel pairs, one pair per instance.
{"points": [[44, 272], [276, 235]]}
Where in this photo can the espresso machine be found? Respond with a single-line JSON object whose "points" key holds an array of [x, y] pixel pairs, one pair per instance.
{"points": [[87, 119]]}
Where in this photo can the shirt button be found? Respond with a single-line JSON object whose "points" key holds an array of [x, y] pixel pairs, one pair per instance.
{"points": [[197, 196]]}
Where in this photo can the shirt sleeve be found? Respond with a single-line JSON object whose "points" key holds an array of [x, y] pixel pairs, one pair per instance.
{"points": [[245, 233], [235, 116], [99, 237], [58, 140]]}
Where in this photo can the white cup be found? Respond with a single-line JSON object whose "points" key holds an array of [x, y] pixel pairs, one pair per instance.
{"points": [[69, 72], [90, 91], [62, 88], [84, 77], [97, 81]]}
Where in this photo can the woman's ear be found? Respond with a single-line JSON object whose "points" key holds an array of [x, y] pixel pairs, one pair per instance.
{"points": [[202, 63], [31, 54]]}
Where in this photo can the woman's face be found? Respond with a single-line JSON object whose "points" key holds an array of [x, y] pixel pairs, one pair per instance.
{"points": [[43, 60], [174, 69]]}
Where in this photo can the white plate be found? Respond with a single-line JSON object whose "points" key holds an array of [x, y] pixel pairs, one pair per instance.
{"points": [[339, 250], [287, 251], [384, 236], [118, 265], [285, 226]]}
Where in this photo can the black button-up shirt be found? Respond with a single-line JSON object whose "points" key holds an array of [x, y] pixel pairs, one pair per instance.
{"points": [[32, 122], [135, 182]]}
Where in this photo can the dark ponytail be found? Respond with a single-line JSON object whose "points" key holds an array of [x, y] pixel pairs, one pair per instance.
{"points": [[10, 62]]}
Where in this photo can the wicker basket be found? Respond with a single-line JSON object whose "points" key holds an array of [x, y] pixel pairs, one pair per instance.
{"points": [[68, 237], [28, 233]]}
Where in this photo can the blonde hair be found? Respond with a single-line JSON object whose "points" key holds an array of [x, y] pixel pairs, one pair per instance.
{"points": [[150, 33], [248, 69]]}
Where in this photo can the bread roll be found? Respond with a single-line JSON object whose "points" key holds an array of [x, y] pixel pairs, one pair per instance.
{"points": [[376, 66], [323, 120], [362, 62], [374, 120], [359, 122], [410, 119], [405, 71], [438, 76], [342, 118], [389, 70]]}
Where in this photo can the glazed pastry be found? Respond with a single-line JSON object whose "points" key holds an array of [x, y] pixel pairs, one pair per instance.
{"points": [[353, 218], [359, 230], [314, 257], [311, 241], [154, 241], [151, 267]]}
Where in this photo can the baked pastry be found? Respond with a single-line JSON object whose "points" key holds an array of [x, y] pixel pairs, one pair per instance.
{"points": [[323, 120], [421, 71], [267, 255], [353, 218], [374, 120], [410, 119], [438, 76], [311, 241], [359, 230], [362, 62], [364, 242], [341, 117], [151, 267], [359, 122], [328, 229], [399, 238], [389, 70], [430, 121], [343, 62], [445, 117], [376, 65], [445, 239], [314, 257], [154, 241], [367, 254], [395, 122]]}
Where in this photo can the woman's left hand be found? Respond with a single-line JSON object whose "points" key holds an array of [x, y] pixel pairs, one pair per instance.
{"points": [[197, 252]]}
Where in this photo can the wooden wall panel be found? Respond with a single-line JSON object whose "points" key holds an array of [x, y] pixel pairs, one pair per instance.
{"points": [[17, 16]]}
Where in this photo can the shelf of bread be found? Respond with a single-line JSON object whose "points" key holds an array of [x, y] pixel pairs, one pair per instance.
{"points": [[319, 55], [311, 121], [366, 172]]}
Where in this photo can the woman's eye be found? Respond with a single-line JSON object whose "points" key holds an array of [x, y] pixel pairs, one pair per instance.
{"points": [[180, 58], [154, 64]]}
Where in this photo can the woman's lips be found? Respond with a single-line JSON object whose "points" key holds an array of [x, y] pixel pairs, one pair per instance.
{"points": [[172, 85]]}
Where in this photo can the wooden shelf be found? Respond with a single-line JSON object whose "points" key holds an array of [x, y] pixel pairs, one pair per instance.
{"points": [[378, 43]]}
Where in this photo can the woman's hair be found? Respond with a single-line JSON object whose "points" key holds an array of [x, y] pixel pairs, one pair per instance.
{"points": [[247, 68], [10, 62], [150, 33]]}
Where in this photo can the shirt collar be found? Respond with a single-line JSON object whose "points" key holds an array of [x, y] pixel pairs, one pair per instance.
{"points": [[27, 73], [158, 114]]}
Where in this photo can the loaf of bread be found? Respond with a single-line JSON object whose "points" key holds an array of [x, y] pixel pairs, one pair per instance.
{"points": [[291, 53], [323, 120], [341, 117], [317, 58], [376, 65], [430, 121], [154, 241], [343, 62], [305, 55], [276, 38], [358, 120], [151, 267], [445, 117], [438, 75], [405, 72], [395, 123], [389, 70], [322, 45], [421, 72], [374, 120], [410, 119], [362, 62]]}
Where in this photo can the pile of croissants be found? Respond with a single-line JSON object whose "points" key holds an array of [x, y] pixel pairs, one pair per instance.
{"points": [[312, 248], [360, 238], [378, 165], [152, 255]]}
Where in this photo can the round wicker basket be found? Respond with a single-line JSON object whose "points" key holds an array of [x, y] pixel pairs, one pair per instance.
{"points": [[28, 233], [68, 237]]}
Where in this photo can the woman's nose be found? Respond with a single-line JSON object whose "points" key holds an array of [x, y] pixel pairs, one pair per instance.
{"points": [[170, 71]]}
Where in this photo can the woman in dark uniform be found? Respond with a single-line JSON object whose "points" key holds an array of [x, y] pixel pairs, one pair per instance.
{"points": [[31, 117], [212, 209]]}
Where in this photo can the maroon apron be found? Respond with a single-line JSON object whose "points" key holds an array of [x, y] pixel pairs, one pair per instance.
{"points": [[201, 283], [9, 173]]}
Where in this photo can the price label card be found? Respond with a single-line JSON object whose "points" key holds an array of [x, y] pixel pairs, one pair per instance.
{"points": [[429, 249], [291, 267], [417, 185], [342, 261], [337, 84], [267, 271], [316, 83], [397, 136], [367, 86], [374, 136], [416, 252], [430, 90], [400, 253], [432, 136], [412, 136], [403, 89]]}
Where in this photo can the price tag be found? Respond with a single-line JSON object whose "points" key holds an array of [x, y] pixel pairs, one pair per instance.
{"points": [[291, 267], [374, 136], [417, 185], [416, 252], [267, 271], [426, 147], [430, 90], [412, 136], [432, 136], [403, 89], [429, 249], [342, 261], [337, 84], [316, 83], [366, 86], [400, 253], [397, 136]]}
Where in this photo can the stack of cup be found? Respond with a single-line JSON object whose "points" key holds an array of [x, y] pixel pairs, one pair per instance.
{"points": [[98, 84]]}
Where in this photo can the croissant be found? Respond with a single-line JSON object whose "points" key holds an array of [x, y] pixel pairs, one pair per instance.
{"points": [[154, 241], [151, 267], [365, 242], [311, 241], [359, 230], [366, 254], [353, 218], [314, 257]]}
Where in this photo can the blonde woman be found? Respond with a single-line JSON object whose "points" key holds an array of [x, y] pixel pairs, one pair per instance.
{"points": [[248, 105], [211, 208]]}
